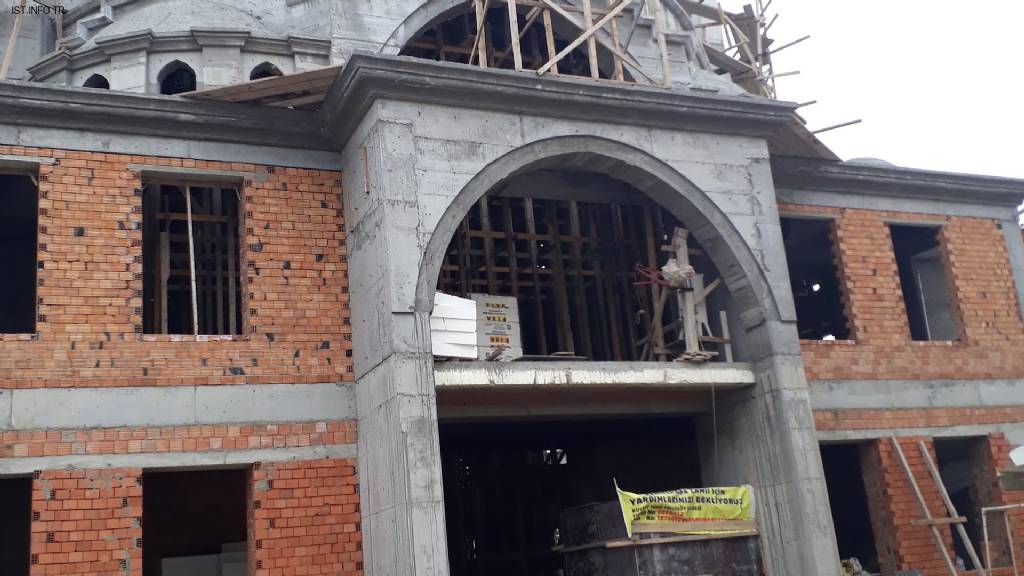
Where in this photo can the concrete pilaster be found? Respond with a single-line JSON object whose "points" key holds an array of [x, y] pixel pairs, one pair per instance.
{"points": [[401, 497]]}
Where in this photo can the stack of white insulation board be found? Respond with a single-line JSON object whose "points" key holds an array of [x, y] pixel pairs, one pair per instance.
{"points": [[453, 327]]}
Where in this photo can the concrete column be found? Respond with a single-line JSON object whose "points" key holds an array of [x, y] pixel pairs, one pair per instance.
{"points": [[129, 60], [401, 497], [128, 71], [222, 57]]}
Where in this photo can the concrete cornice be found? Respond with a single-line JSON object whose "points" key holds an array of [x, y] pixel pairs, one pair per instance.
{"points": [[220, 37], [309, 45], [892, 181], [367, 78], [107, 111], [121, 43]]}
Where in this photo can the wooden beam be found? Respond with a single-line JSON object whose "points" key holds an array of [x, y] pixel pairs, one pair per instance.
{"points": [[626, 57], [588, 17], [588, 37]]}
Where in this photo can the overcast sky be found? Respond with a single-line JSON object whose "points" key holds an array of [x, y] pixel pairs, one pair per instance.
{"points": [[937, 83]]}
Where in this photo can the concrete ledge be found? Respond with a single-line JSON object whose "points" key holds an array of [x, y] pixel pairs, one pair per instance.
{"points": [[78, 408], [18, 466], [896, 394], [463, 375], [1014, 432]]}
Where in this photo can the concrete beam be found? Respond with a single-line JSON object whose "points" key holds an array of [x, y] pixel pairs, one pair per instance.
{"points": [[164, 460], [463, 375], [82, 408], [897, 394]]}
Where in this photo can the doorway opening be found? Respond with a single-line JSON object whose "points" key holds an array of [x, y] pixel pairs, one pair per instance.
{"points": [[195, 523], [507, 483], [15, 525], [849, 502]]}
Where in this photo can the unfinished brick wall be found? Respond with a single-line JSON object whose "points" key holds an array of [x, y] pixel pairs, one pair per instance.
{"points": [[982, 291], [89, 321], [893, 507], [305, 519], [87, 523]]}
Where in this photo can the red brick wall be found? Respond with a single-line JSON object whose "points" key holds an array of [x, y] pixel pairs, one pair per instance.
{"points": [[87, 522], [90, 287], [985, 304], [305, 519]]}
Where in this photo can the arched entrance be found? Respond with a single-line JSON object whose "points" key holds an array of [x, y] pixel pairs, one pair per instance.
{"points": [[579, 214]]}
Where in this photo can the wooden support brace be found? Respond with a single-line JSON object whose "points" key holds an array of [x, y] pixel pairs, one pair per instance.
{"points": [[923, 505]]}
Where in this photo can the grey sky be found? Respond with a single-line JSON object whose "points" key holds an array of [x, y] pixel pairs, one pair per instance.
{"points": [[937, 85]]}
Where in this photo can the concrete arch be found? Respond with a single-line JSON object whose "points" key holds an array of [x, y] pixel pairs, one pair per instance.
{"points": [[428, 13], [709, 224]]}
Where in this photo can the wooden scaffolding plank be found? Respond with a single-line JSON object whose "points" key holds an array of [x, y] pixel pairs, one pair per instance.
{"points": [[234, 318], [611, 317], [923, 505], [549, 38], [485, 224]]}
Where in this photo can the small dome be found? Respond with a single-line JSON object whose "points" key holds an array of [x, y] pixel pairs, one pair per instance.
{"points": [[878, 162]]}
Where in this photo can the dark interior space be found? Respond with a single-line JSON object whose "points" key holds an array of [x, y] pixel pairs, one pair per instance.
{"points": [[97, 81], [924, 282], [18, 254], [849, 503], [810, 251], [506, 484], [15, 525], [167, 270], [955, 457], [575, 268], [176, 78], [453, 40], [195, 513], [264, 70]]}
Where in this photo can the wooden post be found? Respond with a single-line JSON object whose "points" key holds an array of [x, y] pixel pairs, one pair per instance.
{"points": [[618, 73], [233, 272], [581, 289], [723, 319], [549, 35], [531, 230], [513, 27], [565, 332], [659, 23], [12, 42], [588, 16], [658, 342], [218, 258], [192, 261], [480, 43], [162, 277]]}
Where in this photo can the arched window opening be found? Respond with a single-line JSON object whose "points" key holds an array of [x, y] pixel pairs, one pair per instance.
{"points": [[593, 269], [265, 70], [454, 40], [176, 78], [97, 81]]}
